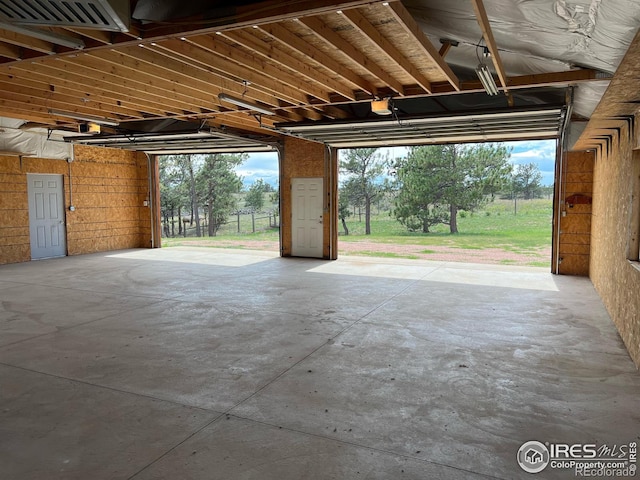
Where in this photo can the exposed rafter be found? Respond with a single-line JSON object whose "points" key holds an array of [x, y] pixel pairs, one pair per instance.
{"points": [[248, 67], [201, 53], [521, 82], [269, 11], [409, 24], [10, 51], [324, 33], [259, 47], [361, 23], [24, 41], [316, 56]]}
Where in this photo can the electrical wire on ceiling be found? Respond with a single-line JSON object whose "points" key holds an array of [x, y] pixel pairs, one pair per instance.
{"points": [[485, 50], [394, 113]]}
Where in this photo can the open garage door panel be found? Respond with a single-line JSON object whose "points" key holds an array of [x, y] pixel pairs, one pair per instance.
{"points": [[521, 123]]}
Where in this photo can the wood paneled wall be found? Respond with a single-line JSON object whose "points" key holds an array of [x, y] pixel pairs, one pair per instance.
{"points": [[575, 225], [616, 279], [108, 188], [303, 158]]}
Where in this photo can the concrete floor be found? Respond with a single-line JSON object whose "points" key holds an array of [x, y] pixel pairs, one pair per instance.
{"points": [[189, 363]]}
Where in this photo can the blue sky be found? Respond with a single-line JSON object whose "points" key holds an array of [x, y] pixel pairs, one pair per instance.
{"points": [[259, 165], [540, 152]]}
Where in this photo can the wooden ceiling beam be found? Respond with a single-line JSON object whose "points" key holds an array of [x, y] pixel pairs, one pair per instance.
{"points": [[94, 83], [253, 92], [360, 22], [334, 112], [135, 31], [39, 108], [234, 64], [113, 78], [298, 114], [259, 47], [259, 67], [26, 114], [237, 118], [569, 77], [317, 57], [86, 79], [313, 114], [444, 49], [205, 80], [25, 41], [490, 41], [64, 101], [10, 51], [323, 32], [243, 122], [40, 82], [257, 14], [404, 18], [191, 76], [100, 110], [101, 36], [554, 78], [161, 72], [36, 113]]}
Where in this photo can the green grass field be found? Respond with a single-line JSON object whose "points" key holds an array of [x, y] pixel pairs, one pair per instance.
{"points": [[494, 226]]}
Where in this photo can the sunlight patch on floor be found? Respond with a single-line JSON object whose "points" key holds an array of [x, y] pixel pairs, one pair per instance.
{"points": [[204, 256]]}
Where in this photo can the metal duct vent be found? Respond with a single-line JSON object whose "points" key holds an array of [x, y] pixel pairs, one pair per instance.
{"points": [[112, 15]]}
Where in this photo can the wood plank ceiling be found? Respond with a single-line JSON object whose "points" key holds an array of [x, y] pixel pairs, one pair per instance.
{"points": [[303, 60]]}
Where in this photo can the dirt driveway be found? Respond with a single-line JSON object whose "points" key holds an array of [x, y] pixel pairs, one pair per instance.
{"points": [[431, 252]]}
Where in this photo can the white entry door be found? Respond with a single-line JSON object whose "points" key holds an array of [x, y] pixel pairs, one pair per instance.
{"points": [[46, 216], [307, 223]]}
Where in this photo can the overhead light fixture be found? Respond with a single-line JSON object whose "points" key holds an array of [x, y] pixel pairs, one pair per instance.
{"points": [[241, 102], [487, 80], [381, 107], [47, 36], [86, 118], [90, 127]]}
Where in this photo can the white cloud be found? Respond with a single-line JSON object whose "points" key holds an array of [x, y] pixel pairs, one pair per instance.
{"points": [[531, 154], [541, 152], [262, 165]]}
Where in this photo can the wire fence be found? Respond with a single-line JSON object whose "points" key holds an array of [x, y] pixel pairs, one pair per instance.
{"points": [[238, 223]]}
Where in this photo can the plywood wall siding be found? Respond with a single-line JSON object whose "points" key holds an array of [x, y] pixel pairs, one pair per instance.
{"points": [[14, 207], [575, 226], [303, 158], [616, 279], [109, 188]]}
